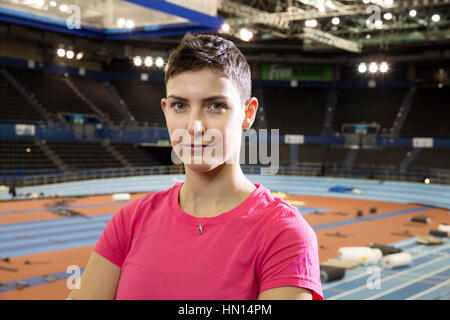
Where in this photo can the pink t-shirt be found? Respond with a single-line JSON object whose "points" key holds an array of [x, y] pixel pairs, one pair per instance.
{"points": [[262, 243]]}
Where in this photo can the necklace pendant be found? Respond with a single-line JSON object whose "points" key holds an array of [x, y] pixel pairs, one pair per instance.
{"points": [[200, 229]]}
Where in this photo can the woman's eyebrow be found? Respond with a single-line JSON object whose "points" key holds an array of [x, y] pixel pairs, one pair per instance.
{"points": [[218, 97]]}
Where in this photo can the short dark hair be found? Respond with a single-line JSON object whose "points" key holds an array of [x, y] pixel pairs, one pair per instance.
{"points": [[197, 51]]}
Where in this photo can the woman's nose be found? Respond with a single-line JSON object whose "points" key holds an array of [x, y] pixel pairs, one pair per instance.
{"points": [[196, 128]]}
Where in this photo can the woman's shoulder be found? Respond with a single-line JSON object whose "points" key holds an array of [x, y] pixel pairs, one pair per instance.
{"points": [[277, 206], [284, 216], [145, 202]]}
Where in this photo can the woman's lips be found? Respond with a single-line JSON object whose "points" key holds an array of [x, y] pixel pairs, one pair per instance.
{"points": [[197, 147]]}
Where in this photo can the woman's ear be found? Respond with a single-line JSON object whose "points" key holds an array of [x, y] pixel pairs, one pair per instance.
{"points": [[251, 107], [163, 105]]}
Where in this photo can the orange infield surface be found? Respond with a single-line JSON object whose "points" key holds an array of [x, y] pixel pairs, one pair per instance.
{"points": [[356, 234]]}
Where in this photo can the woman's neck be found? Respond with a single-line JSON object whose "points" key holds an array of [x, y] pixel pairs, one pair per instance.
{"points": [[214, 192]]}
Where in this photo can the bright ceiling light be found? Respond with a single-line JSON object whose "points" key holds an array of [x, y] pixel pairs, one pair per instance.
{"points": [[245, 34], [70, 54], [52, 4], [130, 24], [121, 22], [61, 52], [311, 23], [362, 68], [63, 8], [387, 16], [137, 61], [436, 17], [40, 3], [80, 55], [225, 27], [413, 13], [335, 21], [159, 62], [373, 67], [378, 24], [148, 61], [389, 2], [384, 67]]}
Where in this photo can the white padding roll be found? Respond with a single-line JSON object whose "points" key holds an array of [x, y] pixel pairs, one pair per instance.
{"points": [[445, 228], [395, 260], [121, 197], [362, 255]]}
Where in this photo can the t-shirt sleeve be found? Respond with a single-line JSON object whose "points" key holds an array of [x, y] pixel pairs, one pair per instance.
{"points": [[290, 256], [114, 242]]}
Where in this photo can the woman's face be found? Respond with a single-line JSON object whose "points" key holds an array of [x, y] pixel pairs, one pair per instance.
{"points": [[204, 108]]}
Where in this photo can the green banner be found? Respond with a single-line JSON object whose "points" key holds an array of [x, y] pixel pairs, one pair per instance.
{"points": [[296, 72]]}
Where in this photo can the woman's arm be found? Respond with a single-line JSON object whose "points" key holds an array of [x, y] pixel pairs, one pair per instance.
{"points": [[286, 293], [98, 281]]}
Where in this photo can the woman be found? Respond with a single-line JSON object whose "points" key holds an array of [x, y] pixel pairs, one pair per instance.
{"points": [[216, 235]]}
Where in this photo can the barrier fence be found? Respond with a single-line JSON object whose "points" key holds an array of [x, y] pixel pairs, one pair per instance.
{"points": [[36, 177]]}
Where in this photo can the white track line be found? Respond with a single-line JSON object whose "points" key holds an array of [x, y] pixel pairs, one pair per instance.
{"points": [[445, 283], [409, 282], [391, 276]]}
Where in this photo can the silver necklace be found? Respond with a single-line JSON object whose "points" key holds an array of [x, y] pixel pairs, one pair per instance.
{"points": [[200, 227]]}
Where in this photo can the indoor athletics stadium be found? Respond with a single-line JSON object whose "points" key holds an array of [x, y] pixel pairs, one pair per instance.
{"points": [[349, 132]]}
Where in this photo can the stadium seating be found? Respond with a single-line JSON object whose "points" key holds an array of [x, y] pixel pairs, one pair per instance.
{"points": [[51, 92], [143, 99], [84, 155], [322, 154], [432, 158], [367, 105], [389, 156], [19, 155], [96, 92], [136, 156], [429, 114], [13, 105], [295, 110]]}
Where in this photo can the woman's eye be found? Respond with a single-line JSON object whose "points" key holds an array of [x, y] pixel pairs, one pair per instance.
{"points": [[177, 106], [217, 106]]}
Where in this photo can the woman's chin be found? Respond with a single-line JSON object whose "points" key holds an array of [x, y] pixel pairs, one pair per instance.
{"points": [[203, 166]]}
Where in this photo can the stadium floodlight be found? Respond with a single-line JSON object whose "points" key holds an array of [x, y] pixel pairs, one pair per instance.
{"points": [[311, 23], [436, 18], [137, 61], [335, 21], [130, 24], [121, 22], [384, 67], [225, 27], [61, 52], [412, 13], [373, 67], [159, 62], [362, 68], [70, 54], [245, 34], [148, 61]]}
